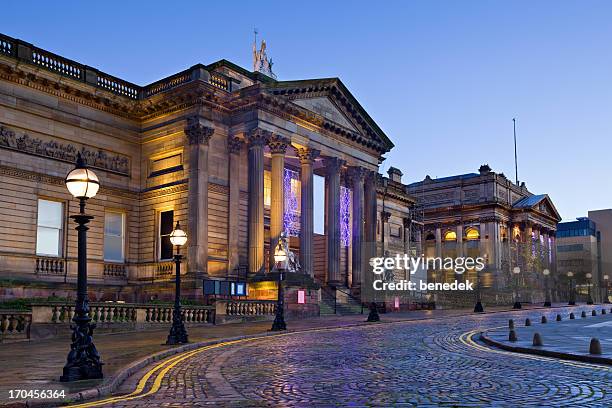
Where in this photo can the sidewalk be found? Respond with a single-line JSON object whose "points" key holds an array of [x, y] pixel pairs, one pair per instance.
{"points": [[38, 364], [567, 339]]}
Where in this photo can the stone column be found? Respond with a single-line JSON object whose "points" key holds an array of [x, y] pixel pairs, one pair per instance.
{"points": [[278, 147], [234, 146], [459, 233], [357, 177], [438, 241], [257, 139], [332, 184], [385, 236], [307, 158], [198, 136], [370, 215]]}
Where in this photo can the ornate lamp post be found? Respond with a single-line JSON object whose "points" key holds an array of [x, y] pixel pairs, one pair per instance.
{"points": [[606, 288], [547, 303], [178, 333], [516, 271], [572, 293], [83, 361], [478, 308], [589, 276], [280, 258]]}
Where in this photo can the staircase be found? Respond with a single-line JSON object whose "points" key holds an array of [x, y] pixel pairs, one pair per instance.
{"points": [[326, 307]]}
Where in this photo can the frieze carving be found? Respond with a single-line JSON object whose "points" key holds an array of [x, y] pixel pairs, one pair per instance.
{"points": [[52, 149]]}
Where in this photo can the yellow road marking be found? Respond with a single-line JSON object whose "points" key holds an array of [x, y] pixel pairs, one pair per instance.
{"points": [[467, 339]]}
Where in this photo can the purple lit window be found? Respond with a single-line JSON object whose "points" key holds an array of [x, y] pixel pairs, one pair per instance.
{"points": [[345, 216], [291, 218]]}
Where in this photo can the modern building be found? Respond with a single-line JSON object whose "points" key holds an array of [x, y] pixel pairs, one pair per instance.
{"points": [[486, 215], [236, 156], [578, 252], [603, 221]]}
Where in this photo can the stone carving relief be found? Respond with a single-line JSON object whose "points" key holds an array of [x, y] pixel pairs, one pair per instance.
{"points": [[64, 152]]}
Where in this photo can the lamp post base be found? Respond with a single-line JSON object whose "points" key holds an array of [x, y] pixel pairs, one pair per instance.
{"points": [[178, 333], [517, 305], [83, 362], [278, 325], [373, 315], [547, 304], [478, 308]]}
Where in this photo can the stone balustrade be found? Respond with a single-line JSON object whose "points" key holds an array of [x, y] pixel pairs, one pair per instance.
{"points": [[112, 313], [50, 266], [14, 325], [49, 61], [115, 270], [245, 307]]}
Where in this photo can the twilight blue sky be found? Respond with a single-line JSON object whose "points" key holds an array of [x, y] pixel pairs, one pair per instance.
{"points": [[443, 79]]}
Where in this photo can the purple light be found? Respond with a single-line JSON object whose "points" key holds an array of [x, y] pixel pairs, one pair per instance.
{"points": [[345, 216], [291, 217]]}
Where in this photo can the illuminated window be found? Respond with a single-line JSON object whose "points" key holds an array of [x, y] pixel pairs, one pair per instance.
{"points": [[114, 232], [472, 234], [166, 225], [291, 217], [318, 184], [267, 189], [450, 236], [301, 297]]}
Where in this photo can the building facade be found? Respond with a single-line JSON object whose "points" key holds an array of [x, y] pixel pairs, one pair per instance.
{"points": [[578, 252], [235, 156], [486, 215], [603, 222]]}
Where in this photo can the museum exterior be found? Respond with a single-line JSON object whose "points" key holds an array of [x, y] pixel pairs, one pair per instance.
{"points": [[234, 155], [487, 215]]}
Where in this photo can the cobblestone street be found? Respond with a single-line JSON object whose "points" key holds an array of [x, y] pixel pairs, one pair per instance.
{"points": [[418, 363]]}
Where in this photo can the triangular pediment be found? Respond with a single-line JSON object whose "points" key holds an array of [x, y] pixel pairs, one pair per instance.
{"points": [[541, 203], [325, 107]]}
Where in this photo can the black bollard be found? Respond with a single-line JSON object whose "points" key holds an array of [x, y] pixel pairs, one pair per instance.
{"points": [[603, 311], [558, 317], [512, 336], [583, 314], [544, 320], [511, 324], [537, 340], [572, 316], [527, 322], [595, 346], [594, 313]]}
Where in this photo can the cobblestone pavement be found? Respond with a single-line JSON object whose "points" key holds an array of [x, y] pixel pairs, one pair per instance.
{"points": [[419, 363]]}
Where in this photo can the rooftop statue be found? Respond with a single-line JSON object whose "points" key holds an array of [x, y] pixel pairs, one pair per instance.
{"points": [[261, 62]]}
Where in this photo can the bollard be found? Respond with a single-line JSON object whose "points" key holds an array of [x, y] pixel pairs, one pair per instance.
{"points": [[603, 311], [527, 322], [595, 346], [558, 317], [594, 313], [572, 316], [537, 340], [544, 320], [511, 324], [512, 336], [583, 314]]}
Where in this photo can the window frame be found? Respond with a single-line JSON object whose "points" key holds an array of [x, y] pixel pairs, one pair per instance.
{"points": [[160, 236], [62, 228], [123, 236]]}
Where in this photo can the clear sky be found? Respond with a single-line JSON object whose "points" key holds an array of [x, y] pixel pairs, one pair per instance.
{"points": [[443, 79]]}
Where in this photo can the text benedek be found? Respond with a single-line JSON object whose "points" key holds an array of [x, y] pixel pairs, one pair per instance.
{"points": [[409, 285]]}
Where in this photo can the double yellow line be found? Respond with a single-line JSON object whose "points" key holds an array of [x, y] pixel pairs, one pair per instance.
{"points": [[468, 340]]}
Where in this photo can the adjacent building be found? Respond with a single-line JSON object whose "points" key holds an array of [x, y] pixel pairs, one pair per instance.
{"points": [[486, 215]]}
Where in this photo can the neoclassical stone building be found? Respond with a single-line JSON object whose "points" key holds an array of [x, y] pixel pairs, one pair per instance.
{"points": [[236, 156], [486, 215]]}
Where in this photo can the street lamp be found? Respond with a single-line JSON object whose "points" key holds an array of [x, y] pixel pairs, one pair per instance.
{"points": [[83, 361], [178, 333], [589, 298], [606, 279], [280, 258], [516, 270], [546, 272], [478, 308], [572, 293]]}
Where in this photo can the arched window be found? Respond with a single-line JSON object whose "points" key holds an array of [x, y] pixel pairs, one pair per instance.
{"points": [[450, 236], [472, 234]]}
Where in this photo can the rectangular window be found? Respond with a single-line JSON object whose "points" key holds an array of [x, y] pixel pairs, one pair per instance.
{"points": [[49, 228], [318, 184], [166, 225], [114, 236]]}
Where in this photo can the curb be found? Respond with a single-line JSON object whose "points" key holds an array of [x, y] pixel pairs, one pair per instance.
{"points": [[113, 383], [585, 358]]}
